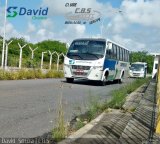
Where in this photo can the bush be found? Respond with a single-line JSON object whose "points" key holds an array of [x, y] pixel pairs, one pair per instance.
{"points": [[54, 74], [28, 74], [117, 101], [120, 94], [2, 75], [38, 74]]}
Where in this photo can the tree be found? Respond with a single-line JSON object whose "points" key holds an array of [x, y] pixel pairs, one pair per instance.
{"points": [[46, 45]]}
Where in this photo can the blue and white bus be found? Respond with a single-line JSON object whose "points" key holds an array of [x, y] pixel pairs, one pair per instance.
{"points": [[96, 59]]}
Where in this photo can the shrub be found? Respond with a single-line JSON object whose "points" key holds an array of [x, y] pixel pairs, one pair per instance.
{"points": [[28, 74], [54, 74]]}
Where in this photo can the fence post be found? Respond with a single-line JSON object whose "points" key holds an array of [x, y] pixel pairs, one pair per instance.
{"points": [[6, 58], [50, 62], [42, 59], [20, 57], [32, 50]]}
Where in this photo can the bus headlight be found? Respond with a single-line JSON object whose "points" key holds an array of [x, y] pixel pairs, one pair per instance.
{"points": [[98, 67]]}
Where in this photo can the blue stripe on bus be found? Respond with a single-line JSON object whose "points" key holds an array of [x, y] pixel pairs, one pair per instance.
{"points": [[110, 64]]}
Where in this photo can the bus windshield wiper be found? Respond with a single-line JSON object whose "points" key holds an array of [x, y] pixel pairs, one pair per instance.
{"points": [[73, 54], [93, 55]]}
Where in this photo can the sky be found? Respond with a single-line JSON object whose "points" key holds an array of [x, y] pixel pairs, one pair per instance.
{"points": [[135, 24]]}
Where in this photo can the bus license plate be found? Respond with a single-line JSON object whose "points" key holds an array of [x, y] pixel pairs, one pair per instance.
{"points": [[79, 71]]}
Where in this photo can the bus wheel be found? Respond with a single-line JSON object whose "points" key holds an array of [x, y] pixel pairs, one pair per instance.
{"points": [[70, 80], [121, 79], [103, 83]]}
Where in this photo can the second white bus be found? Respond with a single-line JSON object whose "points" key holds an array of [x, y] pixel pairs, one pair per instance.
{"points": [[138, 70]]}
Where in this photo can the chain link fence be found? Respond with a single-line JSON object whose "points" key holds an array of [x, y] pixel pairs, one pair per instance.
{"points": [[13, 61]]}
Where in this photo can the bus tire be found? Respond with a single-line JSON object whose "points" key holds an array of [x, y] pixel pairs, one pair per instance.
{"points": [[103, 83], [69, 80], [121, 79]]}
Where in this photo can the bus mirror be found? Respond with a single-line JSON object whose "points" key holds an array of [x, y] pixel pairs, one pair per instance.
{"points": [[67, 45], [109, 45]]}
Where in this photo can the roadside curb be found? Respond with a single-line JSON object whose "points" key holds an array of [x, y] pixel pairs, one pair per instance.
{"points": [[82, 130]]}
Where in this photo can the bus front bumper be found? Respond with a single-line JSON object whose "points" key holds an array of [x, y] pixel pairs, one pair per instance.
{"points": [[94, 73]]}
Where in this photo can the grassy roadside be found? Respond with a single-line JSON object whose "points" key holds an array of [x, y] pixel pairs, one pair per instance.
{"points": [[29, 74], [96, 107], [119, 96], [116, 102]]}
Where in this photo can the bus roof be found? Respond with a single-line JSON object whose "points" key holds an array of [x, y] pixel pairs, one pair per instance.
{"points": [[117, 44], [98, 39], [101, 39], [140, 63]]}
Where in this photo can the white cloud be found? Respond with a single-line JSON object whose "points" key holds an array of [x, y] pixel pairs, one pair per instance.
{"points": [[137, 27], [43, 34], [48, 24], [129, 43], [10, 31], [31, 28], [145, 12], [71, 32], [119, 23]]}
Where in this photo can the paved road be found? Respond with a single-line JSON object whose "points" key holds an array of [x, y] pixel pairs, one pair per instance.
{"points": [[28, 108]]}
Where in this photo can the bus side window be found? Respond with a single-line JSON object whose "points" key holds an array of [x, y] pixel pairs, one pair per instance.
{"points": [[124, 57], [128, 56], [118, 53], [114, 51], [121, 55], [108, 54]]}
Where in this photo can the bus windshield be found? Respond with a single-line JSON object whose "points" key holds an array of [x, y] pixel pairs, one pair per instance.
{"points": [[137, 67], [87, 49]]}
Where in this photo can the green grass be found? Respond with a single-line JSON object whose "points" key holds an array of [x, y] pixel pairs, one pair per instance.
{"points": [[29, 74], [95, 107], [118, 98], [61, 130], [54, 74], [79, 124]]}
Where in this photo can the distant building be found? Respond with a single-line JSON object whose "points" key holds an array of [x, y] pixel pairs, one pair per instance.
{"points": [[155, 64]]}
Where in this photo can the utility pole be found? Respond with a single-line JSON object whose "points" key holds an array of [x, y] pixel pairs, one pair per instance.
{"points": [[4, 34], [6, 58]]}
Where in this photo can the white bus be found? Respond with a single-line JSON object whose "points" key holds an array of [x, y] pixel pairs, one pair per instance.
{"points": [[138, 70], [96, 59]]}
